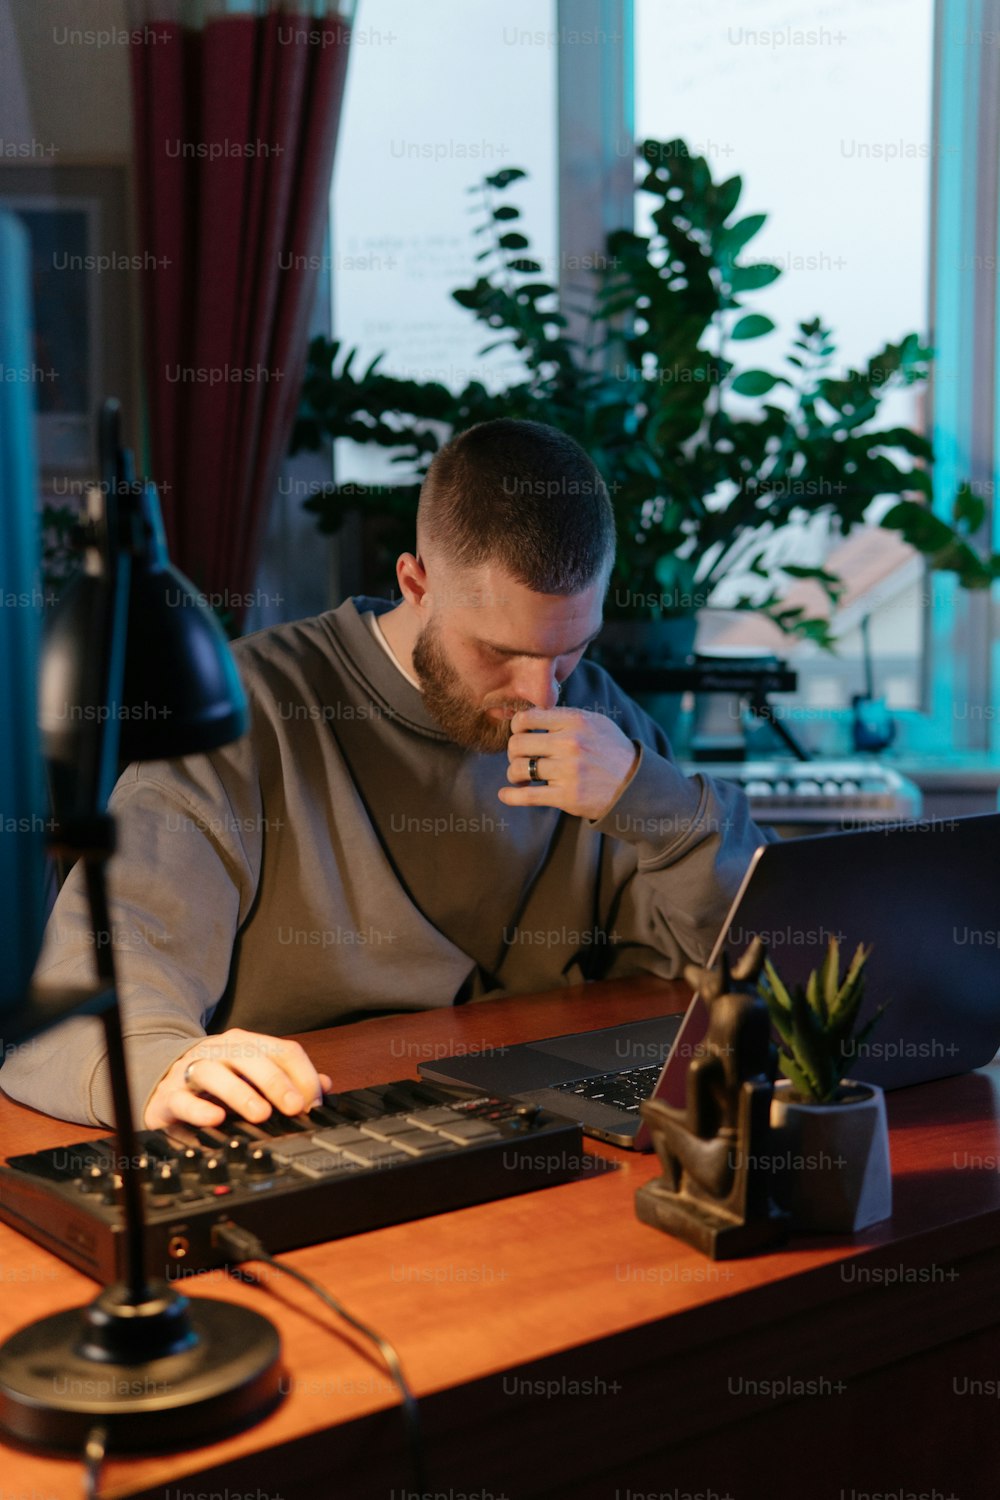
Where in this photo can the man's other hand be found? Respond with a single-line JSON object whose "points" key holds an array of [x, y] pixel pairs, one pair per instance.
{"points": [[245, 1071], [585, 759]]}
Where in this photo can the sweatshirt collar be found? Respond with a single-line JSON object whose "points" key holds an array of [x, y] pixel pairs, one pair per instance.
{"points": [[378, 677]]}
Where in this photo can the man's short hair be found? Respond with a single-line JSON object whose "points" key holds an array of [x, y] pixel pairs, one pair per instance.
{"points": [[524, 496]]}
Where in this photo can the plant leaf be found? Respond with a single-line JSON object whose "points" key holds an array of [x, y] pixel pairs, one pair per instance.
{"points": [[751, 278], [969, 509], [780, 993], [732, 240], [756, 383], [506, 176], [829, 975], [802, 1084], [752, 326]]}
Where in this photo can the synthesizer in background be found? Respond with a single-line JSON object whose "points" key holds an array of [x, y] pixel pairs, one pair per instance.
{"points": [[846, 793], [361, 1160]]}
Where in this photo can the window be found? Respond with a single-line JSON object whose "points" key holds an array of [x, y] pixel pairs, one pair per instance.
{"points": [[825, 112], [439, 97]]}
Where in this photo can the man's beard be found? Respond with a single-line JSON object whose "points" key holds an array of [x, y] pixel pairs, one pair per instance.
{"points": [[463, 721]]}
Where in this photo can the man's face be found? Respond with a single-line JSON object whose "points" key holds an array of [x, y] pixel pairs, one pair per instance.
{"points": [[490, 646]]}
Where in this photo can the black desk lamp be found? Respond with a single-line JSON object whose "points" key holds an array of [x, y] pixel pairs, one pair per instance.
{"points": [[134, 668]]}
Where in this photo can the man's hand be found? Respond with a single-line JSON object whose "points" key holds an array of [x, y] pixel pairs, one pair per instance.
{"points": [[245, 1071], [584, 757]]}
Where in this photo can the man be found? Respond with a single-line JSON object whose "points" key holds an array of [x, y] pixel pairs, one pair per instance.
{"points": [[436, 801]]}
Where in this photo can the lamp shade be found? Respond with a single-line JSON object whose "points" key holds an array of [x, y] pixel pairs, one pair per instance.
{"points": [[181, 682], [131, 618]]}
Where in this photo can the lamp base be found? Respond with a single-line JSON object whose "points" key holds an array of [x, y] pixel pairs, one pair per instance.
{"points": [[164, 1373]]}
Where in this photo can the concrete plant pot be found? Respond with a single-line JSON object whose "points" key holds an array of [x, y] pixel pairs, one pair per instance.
{"points": [[832, 1168]]}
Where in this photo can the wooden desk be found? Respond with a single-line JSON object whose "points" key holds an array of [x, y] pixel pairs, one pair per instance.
{"points": [[561, 1348]]}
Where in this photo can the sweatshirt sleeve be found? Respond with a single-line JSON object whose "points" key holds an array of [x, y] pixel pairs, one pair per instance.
{"points": [[181, 882], [678, 847], [690, 840]]}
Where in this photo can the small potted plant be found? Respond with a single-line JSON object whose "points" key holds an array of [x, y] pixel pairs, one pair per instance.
{"points": [[830, 1136]]}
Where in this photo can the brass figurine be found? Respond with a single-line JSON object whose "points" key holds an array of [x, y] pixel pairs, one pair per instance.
{"points": [[715, 1153]]}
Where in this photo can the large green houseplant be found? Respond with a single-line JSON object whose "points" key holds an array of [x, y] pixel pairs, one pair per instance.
{"points": [[706, 455]]}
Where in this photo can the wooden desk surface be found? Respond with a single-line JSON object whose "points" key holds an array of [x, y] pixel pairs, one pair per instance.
{"points": [[560, 1347]]}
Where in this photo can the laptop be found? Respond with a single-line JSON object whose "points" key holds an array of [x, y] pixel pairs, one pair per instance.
{"points": [[925, 896]]}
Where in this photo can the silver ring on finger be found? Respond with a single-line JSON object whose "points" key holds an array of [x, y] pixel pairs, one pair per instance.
{"points": [[189, 1082], [533, 770]]}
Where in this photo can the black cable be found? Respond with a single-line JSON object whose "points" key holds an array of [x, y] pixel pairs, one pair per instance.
{"points": [[241, 1245], [93, 1458]]}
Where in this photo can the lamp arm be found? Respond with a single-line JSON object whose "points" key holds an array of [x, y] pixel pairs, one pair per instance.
{"points": [[100, 919]]}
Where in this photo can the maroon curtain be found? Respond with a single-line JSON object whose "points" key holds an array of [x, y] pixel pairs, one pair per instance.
{"points": [[235, 128]]}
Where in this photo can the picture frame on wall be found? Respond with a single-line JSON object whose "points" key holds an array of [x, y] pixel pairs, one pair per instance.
{"points": [[77, 221]]}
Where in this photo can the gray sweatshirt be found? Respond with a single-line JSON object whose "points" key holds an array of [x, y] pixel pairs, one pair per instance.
{"points": [[346, 859]]}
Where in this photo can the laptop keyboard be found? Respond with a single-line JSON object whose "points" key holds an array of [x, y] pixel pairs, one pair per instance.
{"points": [[621, 1090]]}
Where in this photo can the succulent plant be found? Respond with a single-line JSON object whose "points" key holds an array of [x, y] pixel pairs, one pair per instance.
{"points": [[815, 1024]]}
